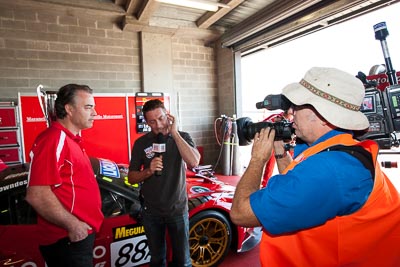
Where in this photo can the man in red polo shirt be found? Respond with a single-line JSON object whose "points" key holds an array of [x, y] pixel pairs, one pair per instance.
{"points": [[62, 187]]}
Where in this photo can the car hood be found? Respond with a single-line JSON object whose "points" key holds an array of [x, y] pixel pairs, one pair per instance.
{"points": [[204, 186]]}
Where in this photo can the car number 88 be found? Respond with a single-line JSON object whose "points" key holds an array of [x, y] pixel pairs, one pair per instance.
{"points": [[130, 252]]}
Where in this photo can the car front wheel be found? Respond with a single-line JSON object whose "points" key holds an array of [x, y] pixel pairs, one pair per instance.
{"points": [[209, 238]]}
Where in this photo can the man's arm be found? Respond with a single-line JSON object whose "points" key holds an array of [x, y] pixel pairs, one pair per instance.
{"points": [[47, 205], [241, 212], [139, 176], [282, 162], [189, 154]]}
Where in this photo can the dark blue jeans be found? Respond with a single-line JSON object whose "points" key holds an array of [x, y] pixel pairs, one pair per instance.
{"points": [[178, 230], [64, 253]]}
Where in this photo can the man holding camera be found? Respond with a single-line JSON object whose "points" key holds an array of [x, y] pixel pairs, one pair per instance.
{"points": [[331, 205]]}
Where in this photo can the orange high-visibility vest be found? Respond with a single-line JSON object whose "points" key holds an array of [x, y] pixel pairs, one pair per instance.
{"points": [[369, 237]]}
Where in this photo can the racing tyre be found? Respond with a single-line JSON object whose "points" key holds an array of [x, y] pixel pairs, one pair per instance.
{"points": [[209, 238]]}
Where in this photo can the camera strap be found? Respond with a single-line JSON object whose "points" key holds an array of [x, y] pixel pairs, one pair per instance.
{"points": [[358, 152]]}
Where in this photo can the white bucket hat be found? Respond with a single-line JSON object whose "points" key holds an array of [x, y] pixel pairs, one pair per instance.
{"points": [[335, 94]]}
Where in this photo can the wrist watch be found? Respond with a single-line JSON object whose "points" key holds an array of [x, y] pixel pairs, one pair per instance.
{"points": [[281, 156]]}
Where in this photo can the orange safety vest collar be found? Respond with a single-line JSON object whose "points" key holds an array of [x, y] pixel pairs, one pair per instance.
{"points": [[369, 237]]}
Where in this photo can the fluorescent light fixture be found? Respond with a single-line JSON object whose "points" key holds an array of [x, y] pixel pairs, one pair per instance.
{"points": [[198, 4]]}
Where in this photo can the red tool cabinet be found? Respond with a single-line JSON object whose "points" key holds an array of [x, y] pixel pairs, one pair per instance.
{"points": [[10, 144]]}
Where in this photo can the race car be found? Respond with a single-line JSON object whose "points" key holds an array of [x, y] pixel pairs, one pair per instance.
{"points": [[122, 241]]}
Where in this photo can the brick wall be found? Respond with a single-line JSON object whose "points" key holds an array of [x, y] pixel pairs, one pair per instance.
{"points": [[39, 47], [53, 48], [195, 84]]}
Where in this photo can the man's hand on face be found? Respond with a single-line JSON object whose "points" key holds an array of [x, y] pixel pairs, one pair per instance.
{"points": [[172, 125]]}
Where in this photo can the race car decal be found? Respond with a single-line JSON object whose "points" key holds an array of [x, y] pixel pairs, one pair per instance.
{"points": [[199, 189], [109, 168], [128, 231], [29, 264], [13, 185], [131, 247], [98, 253], [16, 175], [10, 262]]}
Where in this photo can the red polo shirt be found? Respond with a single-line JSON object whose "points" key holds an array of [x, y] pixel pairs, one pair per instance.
{"points": [[59, 160]]}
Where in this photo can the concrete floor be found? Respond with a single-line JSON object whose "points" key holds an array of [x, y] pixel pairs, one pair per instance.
{"points": [[244, 259]]}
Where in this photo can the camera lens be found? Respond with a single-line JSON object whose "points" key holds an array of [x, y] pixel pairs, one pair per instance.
{"points": [[247, 130]]}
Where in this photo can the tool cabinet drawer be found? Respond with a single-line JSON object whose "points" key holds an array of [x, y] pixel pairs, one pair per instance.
{"points": [[8, 117], [10, 154], [8, 137]]}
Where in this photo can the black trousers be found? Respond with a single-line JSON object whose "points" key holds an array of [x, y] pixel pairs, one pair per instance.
{"points": [[65, 253]]}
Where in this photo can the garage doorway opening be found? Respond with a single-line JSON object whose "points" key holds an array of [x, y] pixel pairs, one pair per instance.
{"points": [[350, 46]]}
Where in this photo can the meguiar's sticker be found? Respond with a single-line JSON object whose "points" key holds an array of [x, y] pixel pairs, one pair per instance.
{"points": [[109, 168]]}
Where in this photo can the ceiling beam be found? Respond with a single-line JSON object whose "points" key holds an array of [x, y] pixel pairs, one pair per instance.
{"points": [[209, 18], [208, 36], [268, 16], [131, 6], [146, 10], [120, 2], [81, 4]]}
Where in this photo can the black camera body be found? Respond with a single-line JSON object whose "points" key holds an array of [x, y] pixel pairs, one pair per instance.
{"points": [[247, 130], [273, 102]]}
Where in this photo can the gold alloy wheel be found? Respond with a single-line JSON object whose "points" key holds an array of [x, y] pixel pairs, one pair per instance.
{"points": [[209, 238]]}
